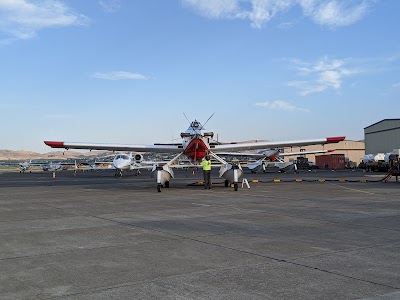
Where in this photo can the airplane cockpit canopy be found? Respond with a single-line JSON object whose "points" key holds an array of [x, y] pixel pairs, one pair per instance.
{"points": [[122, 156], [195, 124]]}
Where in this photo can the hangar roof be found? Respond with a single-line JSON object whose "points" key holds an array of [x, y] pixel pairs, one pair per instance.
{"points": [[384, 120]]}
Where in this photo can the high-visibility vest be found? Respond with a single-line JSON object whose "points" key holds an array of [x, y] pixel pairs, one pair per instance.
{"points": [[206, 165]]}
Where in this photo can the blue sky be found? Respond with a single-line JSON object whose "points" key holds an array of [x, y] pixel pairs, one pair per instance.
{"points": [[125, 71]]}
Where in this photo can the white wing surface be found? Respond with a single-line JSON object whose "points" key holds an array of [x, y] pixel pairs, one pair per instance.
{"points": [[116, 147], [281, 144]]}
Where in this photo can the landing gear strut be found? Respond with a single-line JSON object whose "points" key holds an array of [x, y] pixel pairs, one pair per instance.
{"points": [[159, 185], [235, 177]]}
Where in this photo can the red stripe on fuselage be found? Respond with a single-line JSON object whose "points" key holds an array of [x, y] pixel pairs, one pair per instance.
{"points": [[196, 149]]}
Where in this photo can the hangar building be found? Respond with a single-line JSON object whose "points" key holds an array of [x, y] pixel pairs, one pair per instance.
{"points": [[382, 137], [353, 151]]}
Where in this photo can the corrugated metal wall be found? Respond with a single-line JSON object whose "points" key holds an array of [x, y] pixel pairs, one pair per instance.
{"points": [[331, 162], [382, 137]]}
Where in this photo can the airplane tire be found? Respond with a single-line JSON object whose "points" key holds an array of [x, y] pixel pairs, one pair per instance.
{"points": [[235, 186], [167, 184], [226, 183], [159, 188]]}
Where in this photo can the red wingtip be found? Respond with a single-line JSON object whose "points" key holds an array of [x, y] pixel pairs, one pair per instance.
{"points": [[330, 151], [335, 139], [54, 144]]}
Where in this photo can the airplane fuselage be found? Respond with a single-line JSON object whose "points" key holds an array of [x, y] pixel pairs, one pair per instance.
{"points": [[196, 148], [196, 142]]}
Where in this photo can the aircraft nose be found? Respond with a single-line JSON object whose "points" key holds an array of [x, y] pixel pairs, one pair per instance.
{"points": [[120, 164]]}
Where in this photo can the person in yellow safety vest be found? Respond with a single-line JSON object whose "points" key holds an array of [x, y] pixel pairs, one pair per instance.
{"points": [[206, 164]]}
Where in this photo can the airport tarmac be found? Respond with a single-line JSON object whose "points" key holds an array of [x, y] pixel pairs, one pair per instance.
{"points": [[94, 236]]}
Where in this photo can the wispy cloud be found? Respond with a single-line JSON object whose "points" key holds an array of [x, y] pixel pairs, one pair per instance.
{"points": [[281, 105], [110, 6], [335, 13], [396, 85], [119, 75], [22, 19], [332, 13], [321, 75]]}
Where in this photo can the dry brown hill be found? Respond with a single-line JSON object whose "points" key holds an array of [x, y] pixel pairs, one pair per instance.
{"points": [[59, 155]]}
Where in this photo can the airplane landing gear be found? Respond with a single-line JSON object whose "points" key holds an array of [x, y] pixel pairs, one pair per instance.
{"points": [[159, 185], [118, 173], [235, 177]]}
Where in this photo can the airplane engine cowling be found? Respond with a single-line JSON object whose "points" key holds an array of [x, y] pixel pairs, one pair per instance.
{"points": [[138, 157], [162, 174], [227, 172]]}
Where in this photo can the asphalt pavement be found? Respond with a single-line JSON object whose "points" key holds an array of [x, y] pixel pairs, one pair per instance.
{"points": [[311, 235]]}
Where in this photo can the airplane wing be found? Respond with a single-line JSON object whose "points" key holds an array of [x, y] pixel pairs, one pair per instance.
{"points": [[260, 155], [116, 147], [30, 164], [305, 152], [281, 144]]}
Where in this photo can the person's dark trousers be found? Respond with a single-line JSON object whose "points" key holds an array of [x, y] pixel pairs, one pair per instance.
{"points": [[207, 179]]}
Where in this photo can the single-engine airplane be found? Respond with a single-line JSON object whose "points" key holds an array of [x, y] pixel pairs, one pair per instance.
{"points": [[196, 143], [26, 165], [272, 158], [56, 166]]}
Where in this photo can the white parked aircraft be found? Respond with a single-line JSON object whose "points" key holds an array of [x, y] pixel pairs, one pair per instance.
{"points": [[273, 158], [129, 162], [121, 163], [25, 166], [56, 166], [94, 166], [196, 143]]}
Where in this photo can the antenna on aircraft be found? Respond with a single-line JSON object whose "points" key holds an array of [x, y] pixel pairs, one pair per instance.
{"points": [[186, 118], [202, 126]]}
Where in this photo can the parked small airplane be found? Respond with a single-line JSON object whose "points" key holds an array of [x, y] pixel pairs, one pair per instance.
{"points": [[273, 158], [129, 162], [25, 166], [56, 166], [121, 163], [196, 143], [94, 166]]}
